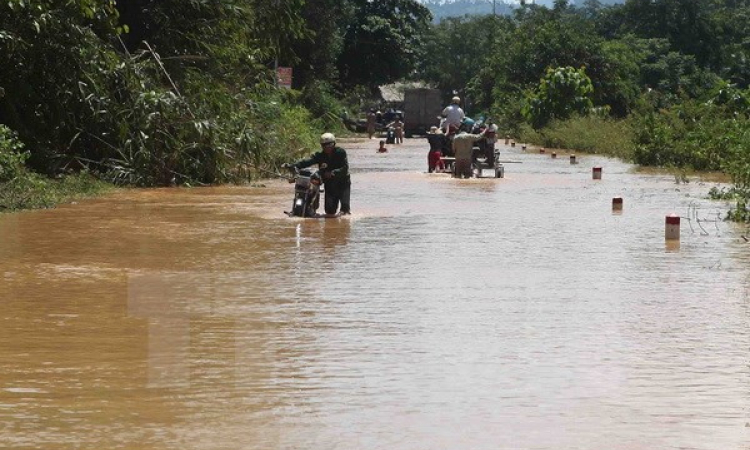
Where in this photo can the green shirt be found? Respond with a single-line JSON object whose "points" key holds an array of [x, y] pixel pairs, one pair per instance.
{"points": [[463, 143]]}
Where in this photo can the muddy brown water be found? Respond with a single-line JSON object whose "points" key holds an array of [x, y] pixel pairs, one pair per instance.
{"points": [[515, 313]]}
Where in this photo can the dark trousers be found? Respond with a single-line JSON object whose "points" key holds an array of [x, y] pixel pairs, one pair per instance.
{"points": [[336, 194], [463, 168]]}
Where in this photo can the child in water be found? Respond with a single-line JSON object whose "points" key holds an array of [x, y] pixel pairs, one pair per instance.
{"points": [[382, 148]]}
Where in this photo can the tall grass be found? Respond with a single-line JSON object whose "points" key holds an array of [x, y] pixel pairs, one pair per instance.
{"points": [[591, 134]]}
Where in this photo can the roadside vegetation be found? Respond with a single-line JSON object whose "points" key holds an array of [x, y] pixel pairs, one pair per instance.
{"points": [[590, 134], [183, 92], [21, 188]]}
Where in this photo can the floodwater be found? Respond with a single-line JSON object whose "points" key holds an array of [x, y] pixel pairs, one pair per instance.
{"points": [[515, 313]]}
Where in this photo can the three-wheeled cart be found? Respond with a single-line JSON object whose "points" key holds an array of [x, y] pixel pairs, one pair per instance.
{"points": [[479, 166]]}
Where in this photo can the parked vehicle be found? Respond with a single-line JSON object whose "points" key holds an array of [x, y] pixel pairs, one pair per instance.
{"points": [[360, 125], [390, 115], [422, 107], [307, 190]]}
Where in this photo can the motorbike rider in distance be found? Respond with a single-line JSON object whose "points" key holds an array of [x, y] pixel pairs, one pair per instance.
{"points": [[436, 139], [334, 166]]}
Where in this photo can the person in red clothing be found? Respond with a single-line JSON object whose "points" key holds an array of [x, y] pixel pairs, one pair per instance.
{"points": [[437, 141]]}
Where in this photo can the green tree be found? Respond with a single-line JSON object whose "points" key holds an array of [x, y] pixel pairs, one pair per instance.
{"points": [[458, 55], [686, 24], [381, 42], [562, 92], [731, 20], [320, 50], [552, 38], [223, 37], [59, 75], [619, 86], [636, 65]]}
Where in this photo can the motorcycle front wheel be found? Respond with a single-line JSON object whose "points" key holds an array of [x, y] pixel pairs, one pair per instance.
{"points": [[299, 206]]}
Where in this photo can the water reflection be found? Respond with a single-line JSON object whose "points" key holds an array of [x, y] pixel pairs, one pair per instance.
{"points": [[336, 234]]}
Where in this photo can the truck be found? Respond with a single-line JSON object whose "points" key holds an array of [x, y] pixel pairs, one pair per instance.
{"points": [[422, 107]]}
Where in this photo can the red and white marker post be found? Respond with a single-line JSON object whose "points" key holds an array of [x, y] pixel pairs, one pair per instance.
{"points": [[672, 227]]}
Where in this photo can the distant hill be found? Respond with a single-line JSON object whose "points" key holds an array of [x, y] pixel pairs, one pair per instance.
{"points": [[457, 8], [453, 8]]}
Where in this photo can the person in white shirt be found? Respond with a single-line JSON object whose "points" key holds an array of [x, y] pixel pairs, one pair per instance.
{"points": [[453, 114]]}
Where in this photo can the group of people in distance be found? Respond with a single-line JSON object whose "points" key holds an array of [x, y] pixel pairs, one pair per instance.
{"points": [[394, 134], [454, 139], [395, 126]]}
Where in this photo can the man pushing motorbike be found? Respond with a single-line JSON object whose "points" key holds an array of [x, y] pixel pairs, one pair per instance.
{"points": [[334, 166]]}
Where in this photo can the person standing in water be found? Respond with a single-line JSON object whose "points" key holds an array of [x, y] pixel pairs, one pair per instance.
{"points": [[335, 172], [436, 139]]}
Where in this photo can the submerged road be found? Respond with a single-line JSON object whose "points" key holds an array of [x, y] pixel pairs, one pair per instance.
{"points": [[514, 313]]}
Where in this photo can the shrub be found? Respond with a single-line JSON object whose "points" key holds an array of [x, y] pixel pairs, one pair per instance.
{"points": [[701, 136], [271, 132], [36, 191], [319, 97], [12, 155]]}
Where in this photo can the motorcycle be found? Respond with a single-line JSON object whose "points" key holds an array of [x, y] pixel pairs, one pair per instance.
{"points": [[390, 136], [307, 189]]}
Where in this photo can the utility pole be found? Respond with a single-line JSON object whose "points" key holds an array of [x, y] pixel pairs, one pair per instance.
{"points": [[494, 12]]}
